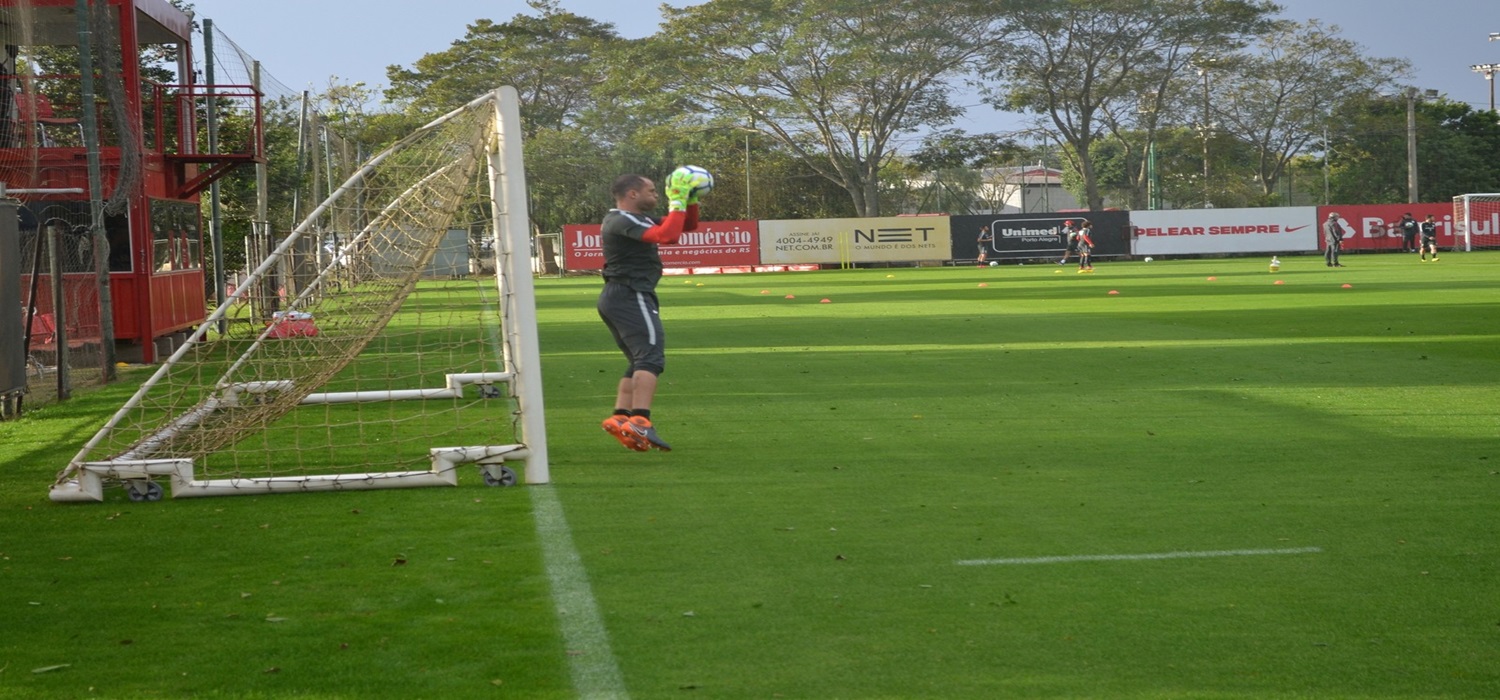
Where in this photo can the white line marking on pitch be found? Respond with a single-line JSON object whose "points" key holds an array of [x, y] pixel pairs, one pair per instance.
{"points": [[592, 664], [1139, 557]]}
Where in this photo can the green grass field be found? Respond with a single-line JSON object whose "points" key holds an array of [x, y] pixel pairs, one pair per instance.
{"points": [[842, 474]]}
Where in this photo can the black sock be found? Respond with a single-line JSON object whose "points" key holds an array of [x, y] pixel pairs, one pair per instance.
{"points": [[622, 412], [642, 412]]}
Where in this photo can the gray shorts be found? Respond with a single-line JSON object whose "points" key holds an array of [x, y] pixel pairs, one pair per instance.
{"points": [[634, 319]]}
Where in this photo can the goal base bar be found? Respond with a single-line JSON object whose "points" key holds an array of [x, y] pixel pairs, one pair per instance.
{"points": [[88, 482]]}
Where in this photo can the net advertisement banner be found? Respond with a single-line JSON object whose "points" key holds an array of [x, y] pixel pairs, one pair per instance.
{"points": [[1206, 231], [881, 239], [1040, 235], [714, 244], [1375, 226]]}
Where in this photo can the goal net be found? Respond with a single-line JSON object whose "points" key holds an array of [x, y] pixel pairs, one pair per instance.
{"points": [[385, 365], [1476, 220]]}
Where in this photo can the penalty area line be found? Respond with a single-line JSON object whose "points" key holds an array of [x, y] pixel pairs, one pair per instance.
{"points": [[1139, 557]]}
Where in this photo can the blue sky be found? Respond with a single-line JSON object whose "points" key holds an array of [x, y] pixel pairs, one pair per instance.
{"points": [[302, 43]]}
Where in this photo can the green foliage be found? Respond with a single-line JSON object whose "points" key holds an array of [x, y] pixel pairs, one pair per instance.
{"points": [[958, 149], [553, 59], [1279, 97], [1457, 150], [1368, 141], [1083, 66], [832, 82]]}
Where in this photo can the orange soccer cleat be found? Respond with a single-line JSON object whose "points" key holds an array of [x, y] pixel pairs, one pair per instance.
{"points": [[640, 428], [618, 426]]}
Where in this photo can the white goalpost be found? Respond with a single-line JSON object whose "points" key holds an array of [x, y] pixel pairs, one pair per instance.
{"points": [[379, 368], [1476, 219]]}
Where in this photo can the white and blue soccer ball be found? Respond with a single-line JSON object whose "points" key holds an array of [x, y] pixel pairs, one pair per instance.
{"points": [[1148, 258], [699, 178], [994, 264]]}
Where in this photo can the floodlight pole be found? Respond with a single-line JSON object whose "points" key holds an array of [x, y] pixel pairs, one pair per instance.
{"points": [[1488, 70], [1411, 145], [1207, 131]]}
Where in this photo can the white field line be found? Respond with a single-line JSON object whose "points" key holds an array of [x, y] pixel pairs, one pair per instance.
{"points": [[1139, 557], [590, 660], [591, 663]]}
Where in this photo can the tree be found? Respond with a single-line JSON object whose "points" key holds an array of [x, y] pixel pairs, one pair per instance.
{"points": [[957, 149], [1457, 150], [1083, 66], [553, 61], [1455, 147], [835, 82], [1279, 98]]}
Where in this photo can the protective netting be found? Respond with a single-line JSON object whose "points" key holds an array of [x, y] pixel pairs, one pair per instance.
{"points": [[385, 351], [312, 128], [1476, 220], [41, 136]]}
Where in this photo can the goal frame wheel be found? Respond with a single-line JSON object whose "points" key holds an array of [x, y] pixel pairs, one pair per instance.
{"points": [[498, 475], [143, 490]]}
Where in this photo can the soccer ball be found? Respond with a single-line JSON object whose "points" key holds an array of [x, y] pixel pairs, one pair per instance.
{"points": [[1148, 258], [994, 264], [696, 178]]}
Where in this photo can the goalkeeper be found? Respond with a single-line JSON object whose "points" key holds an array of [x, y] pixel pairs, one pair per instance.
{"points": [[628, 304]]}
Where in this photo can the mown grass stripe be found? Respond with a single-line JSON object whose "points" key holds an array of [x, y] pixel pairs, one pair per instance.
{"points": [[1139, 557]]}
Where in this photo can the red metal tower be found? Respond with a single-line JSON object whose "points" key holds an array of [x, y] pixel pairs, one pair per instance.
{"points": [[151, 149]]}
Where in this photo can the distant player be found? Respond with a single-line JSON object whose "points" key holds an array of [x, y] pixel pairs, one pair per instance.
{"points": [[1429, 239], [1084, 245], [1070, 240], [1409, 227], [985, 239]]}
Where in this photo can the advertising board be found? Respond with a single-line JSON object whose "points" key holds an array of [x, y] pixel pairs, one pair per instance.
{"points": [[1039, 235], [1207, 231], [832, 241], [714, 244], [1369, 227]]}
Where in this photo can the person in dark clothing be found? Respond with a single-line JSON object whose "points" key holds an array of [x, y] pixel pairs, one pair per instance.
{"points": [[1429, 239], [1333, 240], [628, 303], [1408, 227]]}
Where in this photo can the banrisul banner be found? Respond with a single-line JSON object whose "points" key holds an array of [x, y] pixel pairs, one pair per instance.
{"points": [[882, 239], [1378, 226], [1025, 236], [714, 244], [1207, 231]]}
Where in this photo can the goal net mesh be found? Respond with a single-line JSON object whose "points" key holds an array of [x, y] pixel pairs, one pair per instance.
{"points": [[370, 300], [1476, 220]]}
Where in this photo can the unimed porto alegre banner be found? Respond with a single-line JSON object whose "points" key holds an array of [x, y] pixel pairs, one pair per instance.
{"points": [[1024, 236]]}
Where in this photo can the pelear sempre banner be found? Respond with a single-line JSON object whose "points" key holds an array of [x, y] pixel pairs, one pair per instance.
{"points": [[1207, 231]]}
